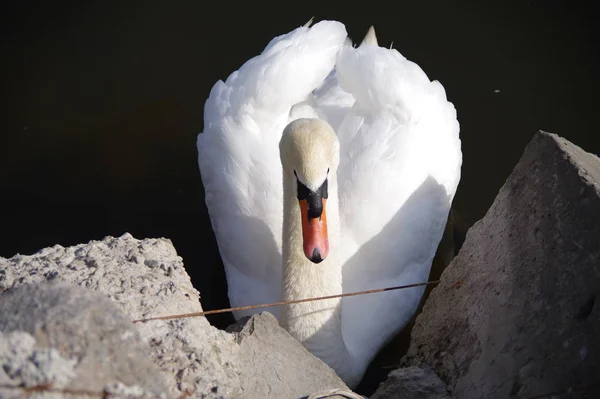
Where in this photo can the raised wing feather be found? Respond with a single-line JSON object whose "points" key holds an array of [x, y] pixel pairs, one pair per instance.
{"points": [[238, 154], [399, 169]]}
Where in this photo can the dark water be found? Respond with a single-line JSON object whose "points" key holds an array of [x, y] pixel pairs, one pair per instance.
{"points": [[103, 104]]}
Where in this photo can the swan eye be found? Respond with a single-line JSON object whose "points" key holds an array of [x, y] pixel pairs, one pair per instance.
{"points": [[304, 192], [324, 189]]}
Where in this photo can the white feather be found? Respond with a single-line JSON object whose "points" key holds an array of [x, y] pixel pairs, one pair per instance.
{"points": [[400, 162], [238, 155]]}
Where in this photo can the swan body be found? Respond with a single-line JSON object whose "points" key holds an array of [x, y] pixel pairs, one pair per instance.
{"points": [[328, 169]]}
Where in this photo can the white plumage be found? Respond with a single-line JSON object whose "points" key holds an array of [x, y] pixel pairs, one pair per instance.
{"points": [[399, 169]]}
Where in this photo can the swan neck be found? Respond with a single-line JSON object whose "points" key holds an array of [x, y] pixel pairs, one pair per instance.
{"points": [[303, 278], [316, 324]]}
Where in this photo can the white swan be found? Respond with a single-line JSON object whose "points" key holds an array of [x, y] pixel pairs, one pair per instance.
{"points": [[371, 161]]}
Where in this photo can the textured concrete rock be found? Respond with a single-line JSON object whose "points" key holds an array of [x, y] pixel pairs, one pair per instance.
{"points": [[24, 364], [140, 275], [146, 278], [67, 337], [412, 383], [257, 337], [517, 313]]}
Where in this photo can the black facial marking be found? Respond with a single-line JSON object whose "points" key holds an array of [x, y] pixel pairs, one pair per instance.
{"points": [[313, 198]]}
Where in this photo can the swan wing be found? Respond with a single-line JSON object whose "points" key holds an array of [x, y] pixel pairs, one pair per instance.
{"points": [[331, 102], [399, 170], [238, 155]]}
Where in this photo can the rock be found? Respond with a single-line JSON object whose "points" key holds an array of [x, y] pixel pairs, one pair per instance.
{"points": [[146, 278], [412, 383], [517, 312], [67, 337], [256, 337], [258, 359], [141, 276], [24, 364]]}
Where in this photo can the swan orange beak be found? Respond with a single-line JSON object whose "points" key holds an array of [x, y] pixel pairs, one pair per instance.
{"points": [[314, 232]]}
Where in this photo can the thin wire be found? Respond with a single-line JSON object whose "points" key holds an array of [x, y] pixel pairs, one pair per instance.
{"points": [[266, 305]]}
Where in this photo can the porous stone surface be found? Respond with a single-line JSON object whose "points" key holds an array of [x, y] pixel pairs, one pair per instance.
{"points": [[517, 312], [146, 278], [59, 336], [141, 276], [412, 383], [265, 346]]}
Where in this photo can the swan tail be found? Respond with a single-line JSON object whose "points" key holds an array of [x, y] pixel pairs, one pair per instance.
{"points": [[309, 23], [370, 37]]}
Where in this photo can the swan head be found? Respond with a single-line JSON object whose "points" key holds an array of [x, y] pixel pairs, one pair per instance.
{"points": [[309, 151]]}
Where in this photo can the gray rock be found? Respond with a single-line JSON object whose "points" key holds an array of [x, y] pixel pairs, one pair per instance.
{"points": [[412, 383], [257, 360], [67, 337], [516, 313], [139, 275], [146, 278], [24, 364], [256, 337]]}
